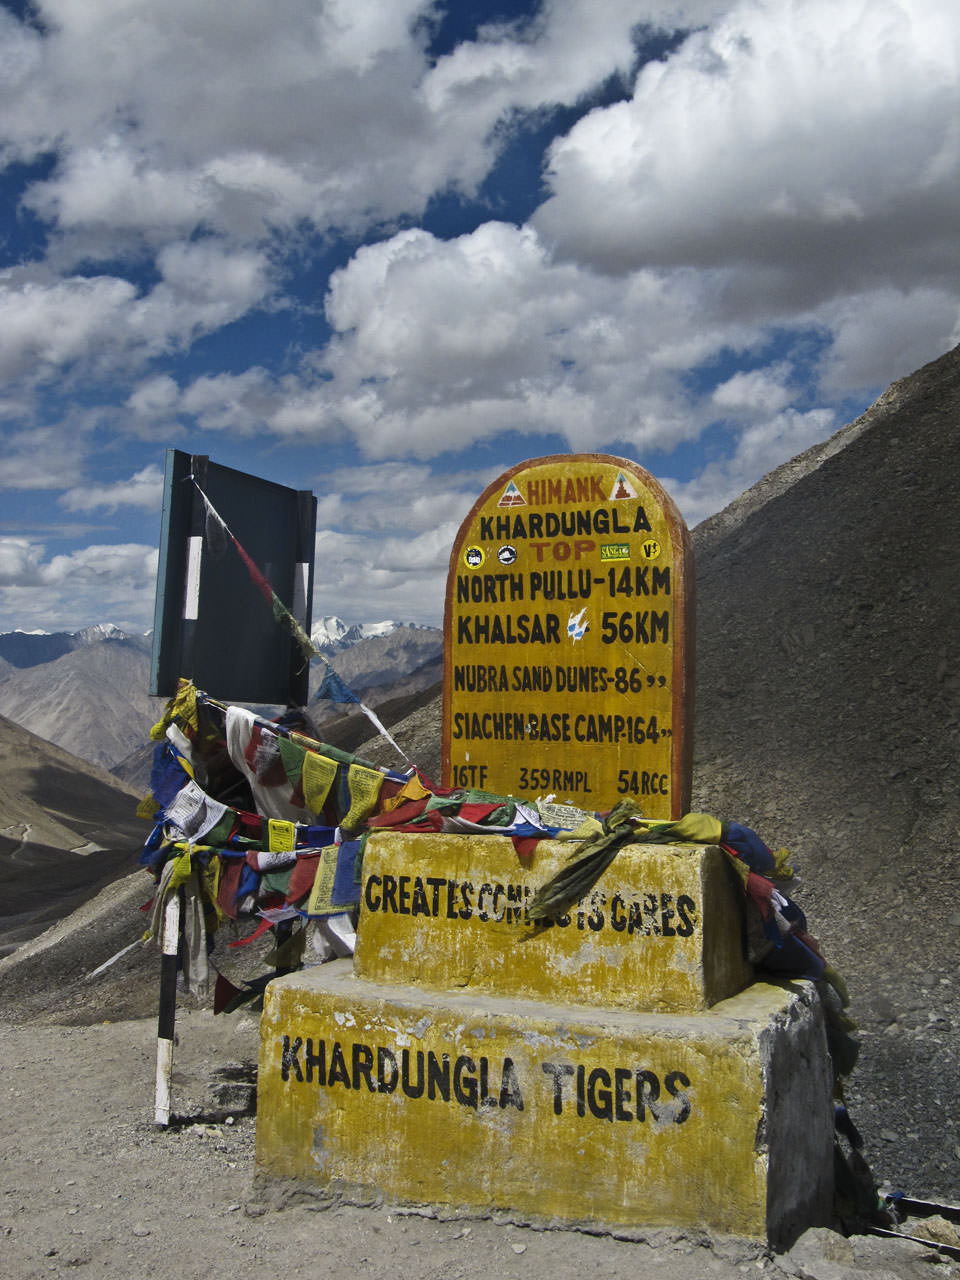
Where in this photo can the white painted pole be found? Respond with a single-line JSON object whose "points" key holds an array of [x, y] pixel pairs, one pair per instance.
{"points": [[166, 1019]]}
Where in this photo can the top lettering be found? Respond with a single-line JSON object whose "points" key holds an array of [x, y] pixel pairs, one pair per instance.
{"points": [[561, 524]]}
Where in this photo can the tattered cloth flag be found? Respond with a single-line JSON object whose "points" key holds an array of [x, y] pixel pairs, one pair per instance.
{"points": [[336, 886], [581, 872]]}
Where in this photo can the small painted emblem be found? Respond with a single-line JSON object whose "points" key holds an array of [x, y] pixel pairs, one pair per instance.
{"points": [[622, 489], [577, 626], [512, 497], [615, 551], [474, 557]]}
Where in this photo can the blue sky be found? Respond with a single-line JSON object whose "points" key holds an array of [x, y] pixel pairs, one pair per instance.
{"points": [[385, 249]]}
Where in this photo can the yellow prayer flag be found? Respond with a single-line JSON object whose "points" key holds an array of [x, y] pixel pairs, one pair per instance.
{"points": [[412, 789], [281, 835], [365, 787], [320, 901], [317, 779], [701, 828], [147, 807], [182, 706]]}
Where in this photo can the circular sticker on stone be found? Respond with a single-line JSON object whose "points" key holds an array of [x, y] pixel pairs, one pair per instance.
{"points": [[507, 554], [650, 549], [474, 557]]}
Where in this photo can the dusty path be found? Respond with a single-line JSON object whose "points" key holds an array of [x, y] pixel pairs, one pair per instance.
{"points": [[87, 1181]]}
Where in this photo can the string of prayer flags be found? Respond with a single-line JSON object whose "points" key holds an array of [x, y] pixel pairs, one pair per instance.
{"points": [[193, 812]]}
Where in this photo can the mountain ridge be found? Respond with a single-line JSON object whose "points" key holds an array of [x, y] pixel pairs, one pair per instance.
{"points": [[90, 698]]}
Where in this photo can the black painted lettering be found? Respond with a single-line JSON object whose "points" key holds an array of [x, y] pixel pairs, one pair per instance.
{"points": [[436, 883], [510, 1095], [370, 895], [409, 1088], [557, 1071], [618, 918], [288, 1058], [419, 905], [388, 1072], [622, 1076], [363, 1067], [465, 1088], [599, 1096], [672, 1080], [667, 913], [686, 915], [339, 1073], [486, 891], [466, 893], [318, 1060], [452, 900], [648, 1093], [486, 1097], [390, 893], [517, 895], [635, 919], [403, 896], [438, 1075]]}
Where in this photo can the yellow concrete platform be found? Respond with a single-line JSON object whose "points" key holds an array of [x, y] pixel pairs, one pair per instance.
{"points": [[660, 931], [550, 1112]]}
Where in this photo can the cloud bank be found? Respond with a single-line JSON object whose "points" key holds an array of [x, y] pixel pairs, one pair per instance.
{"points": [[314, 232]]}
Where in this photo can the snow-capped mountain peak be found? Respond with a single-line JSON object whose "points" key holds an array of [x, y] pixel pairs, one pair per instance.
{"points": [[100, 631], [331, 632], [328, 631]]}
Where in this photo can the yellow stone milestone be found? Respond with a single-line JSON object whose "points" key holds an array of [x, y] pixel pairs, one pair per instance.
{"points": [[660, 931], [568, 638], [550, 1112]]}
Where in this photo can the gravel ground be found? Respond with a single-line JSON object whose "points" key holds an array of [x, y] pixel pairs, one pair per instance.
{"points": [[87, 1181]]}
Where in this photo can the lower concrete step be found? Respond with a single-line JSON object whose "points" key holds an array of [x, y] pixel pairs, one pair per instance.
{"points": [[719, 1120]]}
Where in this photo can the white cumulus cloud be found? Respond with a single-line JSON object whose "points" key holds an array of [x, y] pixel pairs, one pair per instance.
{"points": [[143, 489]]}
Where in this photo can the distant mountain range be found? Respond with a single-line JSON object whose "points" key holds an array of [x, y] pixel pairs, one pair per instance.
{"points": [[31, 648], [86, 691]]}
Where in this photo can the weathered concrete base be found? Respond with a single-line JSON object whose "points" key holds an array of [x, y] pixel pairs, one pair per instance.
{"points": [[720, 1121]]}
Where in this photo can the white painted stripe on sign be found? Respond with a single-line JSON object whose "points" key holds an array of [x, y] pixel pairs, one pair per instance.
{"points": [[300, 579], [191, 596]]}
